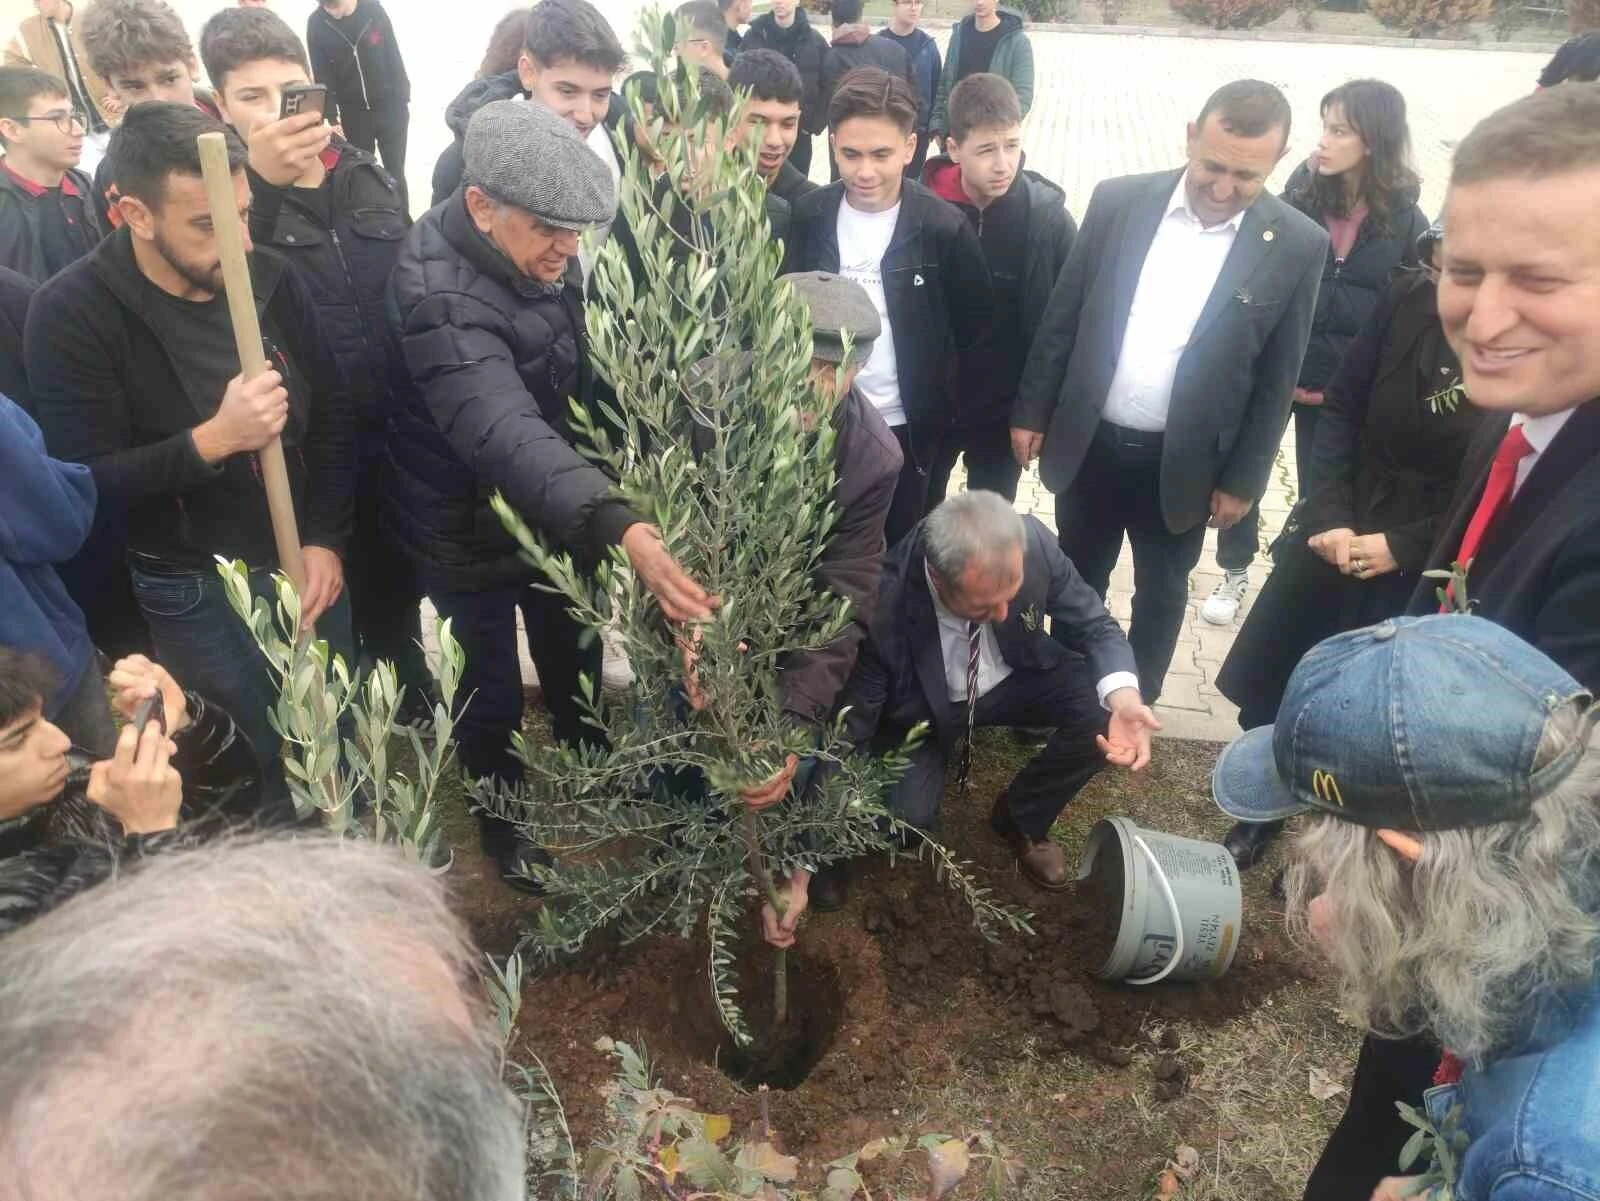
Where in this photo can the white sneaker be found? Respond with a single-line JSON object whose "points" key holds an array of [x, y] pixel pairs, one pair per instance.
{"points": [[1222, 606]]}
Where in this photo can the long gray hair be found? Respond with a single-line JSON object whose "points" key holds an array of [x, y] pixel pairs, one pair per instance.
{"points": [[284, 1020], [1472, 940]]}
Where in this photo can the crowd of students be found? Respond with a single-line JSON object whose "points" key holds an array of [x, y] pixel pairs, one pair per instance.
{"points": [[1149, 360]]}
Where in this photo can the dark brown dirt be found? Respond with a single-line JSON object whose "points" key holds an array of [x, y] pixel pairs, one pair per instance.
{"points": [[914, 998]]}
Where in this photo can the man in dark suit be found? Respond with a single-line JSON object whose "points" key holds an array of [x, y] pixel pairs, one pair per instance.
{"points": [[1519, 299], [958, 641], [1520, 304], [1161, 377]]}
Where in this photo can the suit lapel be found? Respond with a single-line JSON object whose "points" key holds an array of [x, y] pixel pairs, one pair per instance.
{"points": [[1252, 246], [1573, 449], [927, 646], [1138, 232]]}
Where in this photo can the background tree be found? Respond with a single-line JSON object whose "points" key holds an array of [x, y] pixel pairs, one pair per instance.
{"points": [[717, 437]]}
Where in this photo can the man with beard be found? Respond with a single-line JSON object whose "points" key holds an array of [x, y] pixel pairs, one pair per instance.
{"points": [[131, 356]]}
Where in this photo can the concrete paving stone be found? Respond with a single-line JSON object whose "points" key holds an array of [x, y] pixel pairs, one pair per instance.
{"points": [[1183, 692]]}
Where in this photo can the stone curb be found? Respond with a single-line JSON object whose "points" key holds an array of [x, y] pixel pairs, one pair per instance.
{"points": [[1268, 35]]}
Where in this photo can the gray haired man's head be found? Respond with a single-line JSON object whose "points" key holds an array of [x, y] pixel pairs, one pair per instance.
{"points": [[522, 154], [285, 1020], [974, 543], [840, 308]]}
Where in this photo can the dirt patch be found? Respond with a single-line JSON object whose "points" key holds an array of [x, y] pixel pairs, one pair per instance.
{"points": [[927, 1016]]}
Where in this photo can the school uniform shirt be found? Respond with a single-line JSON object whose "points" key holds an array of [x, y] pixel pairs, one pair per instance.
{"points": [[863, 240]]}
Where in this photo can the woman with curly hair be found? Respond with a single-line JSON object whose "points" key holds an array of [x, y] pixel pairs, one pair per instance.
{"points": [[1359, 185]]}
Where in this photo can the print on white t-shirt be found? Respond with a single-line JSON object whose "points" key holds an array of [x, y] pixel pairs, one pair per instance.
{"points": [[863, 239]]}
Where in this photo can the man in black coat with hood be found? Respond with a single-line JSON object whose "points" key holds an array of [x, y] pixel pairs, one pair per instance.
{"points": [[489, 327]]}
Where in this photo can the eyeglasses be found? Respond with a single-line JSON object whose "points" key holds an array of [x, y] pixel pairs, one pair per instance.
{"points": [[62, 121]]}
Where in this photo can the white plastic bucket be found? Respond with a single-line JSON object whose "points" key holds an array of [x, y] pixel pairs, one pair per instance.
{"points": [[1181, 911]]}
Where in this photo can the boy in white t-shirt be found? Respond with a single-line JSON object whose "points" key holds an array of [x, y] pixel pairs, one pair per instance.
{"points": [[916, 256]]}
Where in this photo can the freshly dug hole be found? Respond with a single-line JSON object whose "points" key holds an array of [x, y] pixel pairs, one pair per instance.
{"points": [[781, 1057]]}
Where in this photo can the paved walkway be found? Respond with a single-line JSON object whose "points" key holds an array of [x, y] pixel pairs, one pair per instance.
{"points": [[1109, 105]]}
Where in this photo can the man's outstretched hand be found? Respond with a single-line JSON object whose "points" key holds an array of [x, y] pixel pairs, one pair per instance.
{"points": [[1126, 742], [680, 597], [780, 932]]}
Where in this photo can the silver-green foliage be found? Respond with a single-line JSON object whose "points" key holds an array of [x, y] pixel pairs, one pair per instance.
{"points": [[719, 439], [317, 692]]}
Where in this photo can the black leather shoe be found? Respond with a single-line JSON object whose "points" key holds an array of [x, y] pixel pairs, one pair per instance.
{"points": [[515, 854], [1247, 842], [829, 890]]}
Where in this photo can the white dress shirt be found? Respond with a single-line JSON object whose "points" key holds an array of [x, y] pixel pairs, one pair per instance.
{"points": [[1178, 276], [992, 666], [1540, 432]]}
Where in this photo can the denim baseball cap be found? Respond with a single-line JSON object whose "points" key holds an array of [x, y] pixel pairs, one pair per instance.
{"points": [[1420, 723]]}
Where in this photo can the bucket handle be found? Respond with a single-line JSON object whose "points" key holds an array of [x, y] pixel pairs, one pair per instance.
{"points": [[1160, 877]]}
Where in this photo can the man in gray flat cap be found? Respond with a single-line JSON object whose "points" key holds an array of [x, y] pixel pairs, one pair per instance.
{"points": [[491, 336]]}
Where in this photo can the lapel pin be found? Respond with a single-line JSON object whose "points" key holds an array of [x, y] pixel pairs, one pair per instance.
{"points": [[1267, 235]]}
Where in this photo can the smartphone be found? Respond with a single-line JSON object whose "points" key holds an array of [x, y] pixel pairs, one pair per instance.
{"points": [[149, 709], [304, 98]]}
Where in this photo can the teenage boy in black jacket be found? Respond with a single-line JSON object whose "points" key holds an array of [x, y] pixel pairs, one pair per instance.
{"points": [[773, 94], [338, 218], [784, 28], [569, 64], [354, 51], [1022, 221], [134, 369], [916, 256]]}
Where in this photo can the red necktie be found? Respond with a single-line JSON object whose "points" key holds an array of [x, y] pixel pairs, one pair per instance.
{"points": [[1514, 447]]}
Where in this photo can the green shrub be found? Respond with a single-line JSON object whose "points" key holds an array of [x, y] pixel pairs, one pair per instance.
{"points": [[1230, 14], [1429, 18]]}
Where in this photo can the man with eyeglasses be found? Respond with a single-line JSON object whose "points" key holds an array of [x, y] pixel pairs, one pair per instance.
{"points": [[47, 214]]}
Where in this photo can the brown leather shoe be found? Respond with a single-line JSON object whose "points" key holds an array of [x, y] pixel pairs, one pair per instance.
{"points": [[1043, 862]]}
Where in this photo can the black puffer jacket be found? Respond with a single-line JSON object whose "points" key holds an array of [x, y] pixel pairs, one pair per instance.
{"points": [[491, 361], [1351, 286], [345, 265], [805, 48]]}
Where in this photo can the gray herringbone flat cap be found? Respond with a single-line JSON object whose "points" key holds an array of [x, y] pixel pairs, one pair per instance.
{"points": [[838, 306], [524, 155]]}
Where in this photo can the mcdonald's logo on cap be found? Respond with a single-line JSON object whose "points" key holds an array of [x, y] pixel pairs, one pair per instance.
{"points": [[1325, 788]]}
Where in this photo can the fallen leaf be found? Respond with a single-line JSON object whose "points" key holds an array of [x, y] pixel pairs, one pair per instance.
{"points": [[717, 1126], [1186, 1162], [1167, 1184], [769, 1161], [947, 1164], [1321, 1085], [669, 1162]]}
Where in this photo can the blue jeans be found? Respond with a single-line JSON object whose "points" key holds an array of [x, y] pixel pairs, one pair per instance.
{"points": [[207, 648]]}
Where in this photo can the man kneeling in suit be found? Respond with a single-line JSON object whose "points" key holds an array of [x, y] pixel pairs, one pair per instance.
{"points": [[959, 641]]}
